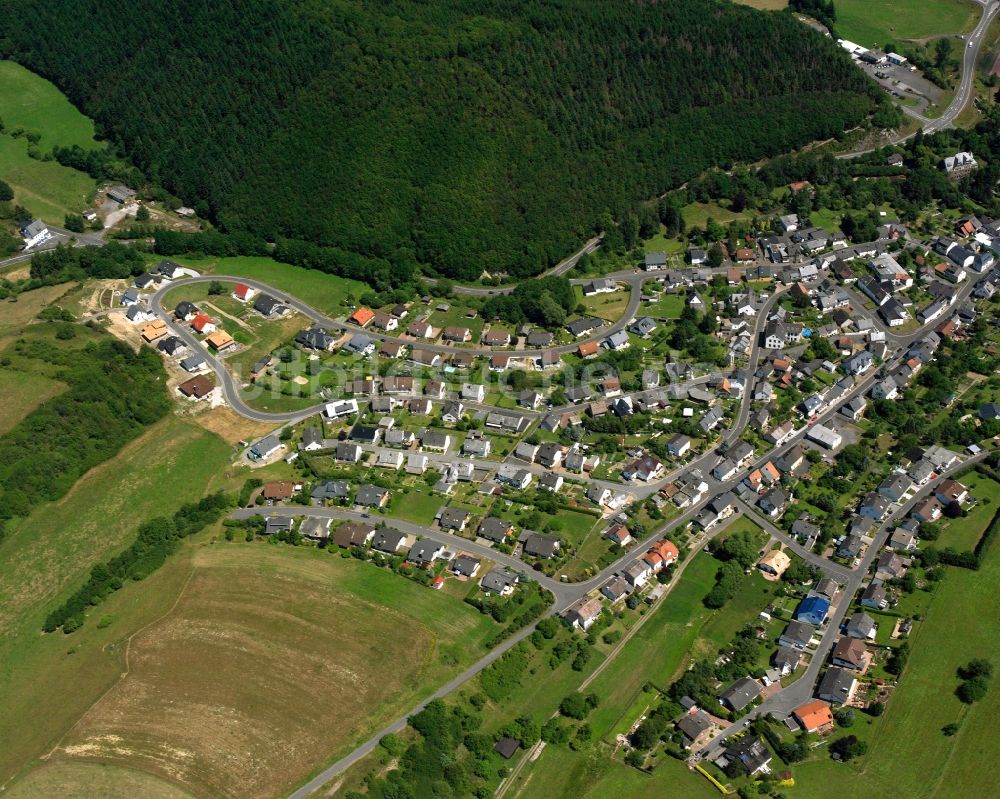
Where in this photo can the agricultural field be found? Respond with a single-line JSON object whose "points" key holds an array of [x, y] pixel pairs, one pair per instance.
{"points": [[87, 780], [330, 294], [48, 681], [871, 23], [909, 757], [31, 103], [200, 704]]}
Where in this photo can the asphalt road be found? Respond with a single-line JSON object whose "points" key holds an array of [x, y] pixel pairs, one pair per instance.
{"points": [[970, 55]]}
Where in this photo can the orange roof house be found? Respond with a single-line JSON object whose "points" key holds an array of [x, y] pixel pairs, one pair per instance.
{"points": [[813, 716], [202, 322], [587, 350], [362, 316], [279, 489], [220, 340], [154, 330], [662, 554]]}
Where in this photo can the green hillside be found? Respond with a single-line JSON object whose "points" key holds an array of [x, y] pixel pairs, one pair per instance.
{"points": [[459, 135]]}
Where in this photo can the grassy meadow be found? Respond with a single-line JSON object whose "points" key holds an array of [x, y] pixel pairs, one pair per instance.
{"points": [[31, 103]]}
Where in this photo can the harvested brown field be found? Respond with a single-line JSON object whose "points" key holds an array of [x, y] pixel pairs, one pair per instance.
{"points": [[274, 660]]}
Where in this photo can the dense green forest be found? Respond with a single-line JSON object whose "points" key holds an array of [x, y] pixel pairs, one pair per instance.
{"points": [[455, 135]]}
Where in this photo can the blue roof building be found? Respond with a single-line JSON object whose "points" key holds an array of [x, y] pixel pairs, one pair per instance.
{"points": [[812, 610]]}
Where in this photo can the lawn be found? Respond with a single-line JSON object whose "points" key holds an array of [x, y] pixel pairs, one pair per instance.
{"points": [[48, 681], [668, 306], [260, 671], [909, 756], [420, 505], [753, 595], [455, 316], [330, 294], [660, 243], [964, 533], [871, 23], [764, 5], [609, 307]]}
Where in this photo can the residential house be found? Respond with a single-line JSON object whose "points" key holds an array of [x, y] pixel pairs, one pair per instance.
{"points": [[465, 566], [637, 574], [813, 610], [353, 534], [679, 445], [861, 625], [266, 305], [662, 555], [741, 694], [388, 540], [501, 581], [435, 440], [786, 660], [618, 534], [851, 653], [890, 566], [495, 529], [837, 686], [278, 524], [814, 716], [264, 448], [797, 635], [424, 552], [197, 388], [315, 338], [541, 546], [750, 752], [583, 613], [371, 496], [949, 490]]}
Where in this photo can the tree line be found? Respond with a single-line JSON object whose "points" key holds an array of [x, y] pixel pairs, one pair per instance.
{"points": [[155, 541]]}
